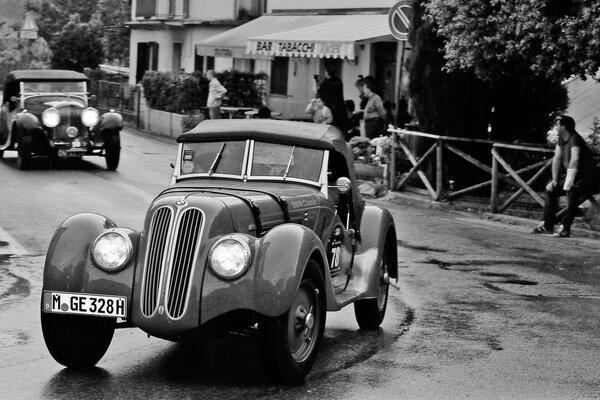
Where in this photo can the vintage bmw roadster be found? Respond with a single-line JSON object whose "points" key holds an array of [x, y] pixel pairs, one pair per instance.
{"points": [[46, 113], [262, 230]]}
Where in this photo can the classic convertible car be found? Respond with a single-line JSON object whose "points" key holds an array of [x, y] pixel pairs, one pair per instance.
{"points": [[46, 113], [262, 229]]}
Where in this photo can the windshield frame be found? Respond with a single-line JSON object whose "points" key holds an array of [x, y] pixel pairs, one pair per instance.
{"points": [[247, 166]]}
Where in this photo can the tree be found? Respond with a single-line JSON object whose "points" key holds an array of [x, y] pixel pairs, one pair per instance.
{"points": [[17, 53], [76, 47], [549, 38], [110, 18]]}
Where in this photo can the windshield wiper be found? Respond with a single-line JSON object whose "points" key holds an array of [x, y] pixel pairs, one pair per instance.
{"points": [[287, 169], [215, 163]]}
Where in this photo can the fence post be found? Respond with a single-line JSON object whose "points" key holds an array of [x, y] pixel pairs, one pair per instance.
{"points": [[494, 194], [439, 174], [392, 180]]}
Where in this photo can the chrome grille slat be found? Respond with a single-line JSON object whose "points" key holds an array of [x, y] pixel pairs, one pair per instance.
{"points": [[185, 245], [157, 246]]}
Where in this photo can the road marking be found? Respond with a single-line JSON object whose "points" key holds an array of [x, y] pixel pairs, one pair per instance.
{"points": [[9, 245]]}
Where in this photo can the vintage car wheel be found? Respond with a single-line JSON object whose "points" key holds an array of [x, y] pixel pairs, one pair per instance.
{"points": [[112, 152], [23, 159], [1, 154], [289, 343], [370, 312], [77, 341]]}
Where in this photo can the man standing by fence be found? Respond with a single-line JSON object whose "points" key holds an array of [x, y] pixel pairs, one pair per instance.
{"points": [[581, 180]]}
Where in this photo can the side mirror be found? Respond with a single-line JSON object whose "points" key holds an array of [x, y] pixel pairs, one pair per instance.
{"points": [[343, 184], [13, 102]]}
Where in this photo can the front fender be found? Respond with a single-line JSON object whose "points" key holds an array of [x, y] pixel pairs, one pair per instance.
{"points": [[377, 232], [110, 121], [27, 122], [270, 285], [69, 267]]}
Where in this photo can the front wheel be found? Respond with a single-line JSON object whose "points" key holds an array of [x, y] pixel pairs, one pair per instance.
{"points": [[77, 341], [23, 158], [369, 313], [289, 343], [112, 152]]}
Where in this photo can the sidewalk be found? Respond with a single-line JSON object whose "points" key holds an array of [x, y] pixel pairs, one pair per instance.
{"points": [[424, 201]]}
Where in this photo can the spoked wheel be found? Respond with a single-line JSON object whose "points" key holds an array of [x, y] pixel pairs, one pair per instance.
{"points": [[77, 341], [370, 312], [289, 343], [112, 152]]}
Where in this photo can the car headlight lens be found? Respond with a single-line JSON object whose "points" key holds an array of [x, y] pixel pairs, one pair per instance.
{"points": [[229, 257], [90, 117], [111, 251], [51, 117]]}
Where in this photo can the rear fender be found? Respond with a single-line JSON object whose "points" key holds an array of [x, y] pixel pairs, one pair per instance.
{"points": [[378, 232], [270, 285], [69, 266]]}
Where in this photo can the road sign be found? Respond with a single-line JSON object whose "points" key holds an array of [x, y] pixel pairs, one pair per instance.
{"points": [[29, 29], [400, 19]]}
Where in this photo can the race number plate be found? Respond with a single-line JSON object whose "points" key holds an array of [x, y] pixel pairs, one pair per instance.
{"points": [[84, 304]]}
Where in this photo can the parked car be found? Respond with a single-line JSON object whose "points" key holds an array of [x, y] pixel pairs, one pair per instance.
{"points": [[47, 113], [261, 229]]}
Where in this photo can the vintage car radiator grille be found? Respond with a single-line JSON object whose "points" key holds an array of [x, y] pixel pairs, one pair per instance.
{"points": [[185, 245], [157, 245], [69, 116]]}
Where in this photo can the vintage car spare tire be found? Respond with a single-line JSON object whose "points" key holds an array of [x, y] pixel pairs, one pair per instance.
{"points": [[369, 313], [289, 343], [77, 341]]}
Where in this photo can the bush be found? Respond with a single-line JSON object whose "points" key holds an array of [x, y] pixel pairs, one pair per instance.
{"points": [[187, 93]]}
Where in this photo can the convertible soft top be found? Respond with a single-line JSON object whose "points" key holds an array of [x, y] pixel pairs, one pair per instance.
{"points": [[45, 75]]}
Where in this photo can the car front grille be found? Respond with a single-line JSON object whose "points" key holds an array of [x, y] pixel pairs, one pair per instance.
{"points": [[69, 116], [182, 245]]}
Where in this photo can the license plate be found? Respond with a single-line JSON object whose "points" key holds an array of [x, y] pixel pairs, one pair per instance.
{"points": [[71, 153], [84, 304]]}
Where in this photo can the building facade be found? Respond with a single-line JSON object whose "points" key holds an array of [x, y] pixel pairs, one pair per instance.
{"points": [[289, 40]]}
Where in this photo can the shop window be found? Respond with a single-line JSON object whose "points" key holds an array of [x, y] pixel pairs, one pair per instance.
{"points": [[279, 75]]}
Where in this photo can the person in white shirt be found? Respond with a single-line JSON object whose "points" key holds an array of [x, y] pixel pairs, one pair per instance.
{"points": [[216, 91]]}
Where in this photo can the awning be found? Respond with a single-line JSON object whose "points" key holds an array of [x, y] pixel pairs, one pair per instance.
{"points": [[232, 43], [333, 36], [297, 36]]}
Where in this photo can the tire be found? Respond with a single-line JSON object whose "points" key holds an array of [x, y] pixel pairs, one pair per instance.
{"points": [[290, 342], [23, 158], [77, 341], [112, 151], [369, 313], [1, 154]]}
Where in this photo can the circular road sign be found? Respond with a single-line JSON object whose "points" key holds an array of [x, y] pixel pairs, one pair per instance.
{"points": [[400, 19]]}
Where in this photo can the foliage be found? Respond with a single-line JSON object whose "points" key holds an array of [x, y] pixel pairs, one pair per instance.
{"points": [[547, 38], [76, 47], [187, 93], [516, 105], [16, 53], [110, 16]]}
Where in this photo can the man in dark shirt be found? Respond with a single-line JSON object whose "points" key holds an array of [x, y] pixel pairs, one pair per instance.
{"points": [[572, 153]]}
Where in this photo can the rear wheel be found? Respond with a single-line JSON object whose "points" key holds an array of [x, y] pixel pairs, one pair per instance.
{"points": [[289, 343], [77, 341], [370, 312], [112, 151]]}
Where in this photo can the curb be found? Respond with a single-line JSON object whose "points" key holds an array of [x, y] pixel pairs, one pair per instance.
{"points": [[423, 201]]}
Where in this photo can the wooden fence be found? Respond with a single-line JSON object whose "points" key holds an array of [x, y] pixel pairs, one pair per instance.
{"points": [[429, 166]]}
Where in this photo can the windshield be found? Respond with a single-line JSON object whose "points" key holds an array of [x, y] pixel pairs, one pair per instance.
{"points": [[223, 157], [54, 87], [267, 160], [286, 161]]}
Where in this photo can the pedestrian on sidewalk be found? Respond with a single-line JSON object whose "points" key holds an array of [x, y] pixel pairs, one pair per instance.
{"points": [[374, 113], [580, 181], [216, 92], [320, 112]]}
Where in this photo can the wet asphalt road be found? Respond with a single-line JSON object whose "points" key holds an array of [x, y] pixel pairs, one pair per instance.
{"points": [[481, 309]]}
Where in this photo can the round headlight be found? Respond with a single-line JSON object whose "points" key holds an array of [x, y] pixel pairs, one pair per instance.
{"points": [[111, 251], [229, 257], [51, 117], [90, 117]]}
